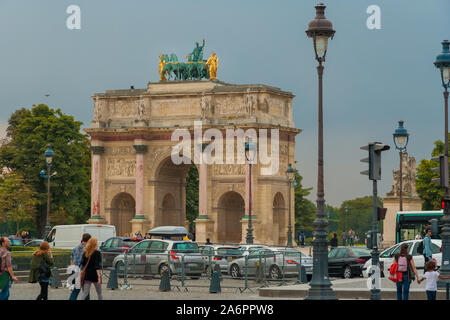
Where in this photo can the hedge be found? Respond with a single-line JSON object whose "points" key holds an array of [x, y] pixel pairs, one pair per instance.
{"points": [[22, 260]]}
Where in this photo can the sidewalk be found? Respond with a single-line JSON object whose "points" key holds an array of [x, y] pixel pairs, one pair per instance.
{"points": [[350, 289]]}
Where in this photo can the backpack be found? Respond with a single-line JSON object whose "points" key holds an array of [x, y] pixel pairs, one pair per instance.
{"points": [[44, 270], [420, 247], [402, 264]]}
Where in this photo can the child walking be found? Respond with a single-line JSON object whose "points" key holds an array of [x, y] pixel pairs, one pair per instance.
{"points": [[431, 275]]}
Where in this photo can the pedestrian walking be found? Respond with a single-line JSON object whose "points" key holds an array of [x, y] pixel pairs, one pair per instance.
{"points": [[6, 270], [302, 239], [408, 270], [91, 269], [351, 236], [334, 241], [344, 238], [75, 259], [40, 271], [427, 253], [431, 275], [208, 241]]}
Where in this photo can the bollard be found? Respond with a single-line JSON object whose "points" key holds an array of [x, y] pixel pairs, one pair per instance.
{"points": [[55, 281], [215, 280], [302, 277], [259, 273], [112, 282], [164, 285]]}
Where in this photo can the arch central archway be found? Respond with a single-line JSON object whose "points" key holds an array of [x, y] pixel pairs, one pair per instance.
{"points": [[122, 212], [171, 193], [230, 212]]}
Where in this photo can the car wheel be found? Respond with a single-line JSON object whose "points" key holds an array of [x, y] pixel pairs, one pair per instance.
{"points": [[120, 268], [234, 270], [274, 273], [347, 272]]}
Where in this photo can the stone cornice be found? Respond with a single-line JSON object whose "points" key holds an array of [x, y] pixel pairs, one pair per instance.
{"points": [[97, 149]]}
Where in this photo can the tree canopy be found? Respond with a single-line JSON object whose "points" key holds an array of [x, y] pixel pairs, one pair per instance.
{"points": [[304, 209], [358, 216], [29, 132], [431, 193]]}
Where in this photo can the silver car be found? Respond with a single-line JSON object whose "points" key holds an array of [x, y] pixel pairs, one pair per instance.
{"points": [[220, 255], [276, 262], [153, 256]]}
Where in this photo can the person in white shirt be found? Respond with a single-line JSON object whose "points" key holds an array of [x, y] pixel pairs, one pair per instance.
{"points": [[431, 275]]}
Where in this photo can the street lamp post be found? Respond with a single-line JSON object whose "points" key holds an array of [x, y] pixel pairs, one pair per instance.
{"points": [[291, 178], [443, 64], [401, 138], [250, 152], [49, 156], [320, 30]]}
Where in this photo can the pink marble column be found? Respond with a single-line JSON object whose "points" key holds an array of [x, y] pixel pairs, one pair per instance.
{"points": [[95, 187], [247, 188], [140, 150], [202, 190]]}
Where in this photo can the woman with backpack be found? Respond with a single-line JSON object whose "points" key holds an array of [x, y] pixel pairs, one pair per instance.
{"points": [[41, 262], [408, 271]]}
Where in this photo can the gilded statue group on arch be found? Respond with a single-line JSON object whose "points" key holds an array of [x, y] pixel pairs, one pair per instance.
{"points": [[196, 68]]}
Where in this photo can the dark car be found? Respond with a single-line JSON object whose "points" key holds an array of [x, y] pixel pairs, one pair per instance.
{"points": [[112, 247], [16, 242], [347, 261]]}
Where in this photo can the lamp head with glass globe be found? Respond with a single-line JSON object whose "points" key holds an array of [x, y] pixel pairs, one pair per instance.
{"points": [[320, 29]]}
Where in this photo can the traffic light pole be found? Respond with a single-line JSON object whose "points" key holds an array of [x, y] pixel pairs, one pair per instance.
{"points": [[375, 292]]}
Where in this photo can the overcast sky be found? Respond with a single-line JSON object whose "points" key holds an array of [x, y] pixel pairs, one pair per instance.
{"points": [[372, 79]]}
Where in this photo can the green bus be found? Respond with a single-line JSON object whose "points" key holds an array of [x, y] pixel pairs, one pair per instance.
{"points": [[412, 223]]}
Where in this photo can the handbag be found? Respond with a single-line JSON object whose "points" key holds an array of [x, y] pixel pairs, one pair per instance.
{"points": [[83, 272]]}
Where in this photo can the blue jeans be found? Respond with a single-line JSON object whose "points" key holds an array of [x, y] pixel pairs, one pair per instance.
{"points": [[4, 294], [431, 295], [403, 287], [75, 293]]}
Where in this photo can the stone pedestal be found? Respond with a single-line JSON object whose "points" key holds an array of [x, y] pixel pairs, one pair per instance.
{"points": [[140, 223], [97, 220], [393, 206], [203, 229]]}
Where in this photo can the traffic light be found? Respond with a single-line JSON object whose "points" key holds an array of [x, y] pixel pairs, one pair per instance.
{"points": [[445, 205], [443, 170], [381, 213], [374, 159]]}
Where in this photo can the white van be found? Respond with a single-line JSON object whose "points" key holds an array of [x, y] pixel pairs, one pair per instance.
{"points": [[69, 236]]}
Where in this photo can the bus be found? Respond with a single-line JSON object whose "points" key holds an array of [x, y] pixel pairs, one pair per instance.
{"points": [[411, 223]]}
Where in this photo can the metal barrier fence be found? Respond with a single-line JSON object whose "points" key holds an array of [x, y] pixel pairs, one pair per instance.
{"points": [[242, 271]]}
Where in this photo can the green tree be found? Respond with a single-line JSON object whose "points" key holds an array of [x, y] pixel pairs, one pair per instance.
{"points": [[358, 216], [17, 203], [192, 195], [304, 209], [431, 193], [333, 219], [29, 132]]}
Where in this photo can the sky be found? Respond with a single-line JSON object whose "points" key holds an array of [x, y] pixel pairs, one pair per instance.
{"points": [[372, 78]]}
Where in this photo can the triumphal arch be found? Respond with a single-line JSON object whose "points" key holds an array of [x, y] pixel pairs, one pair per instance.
{"points": [[137, 184]]}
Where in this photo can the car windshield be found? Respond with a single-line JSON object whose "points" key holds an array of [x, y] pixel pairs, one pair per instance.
{"points": [[291, 253], [185, 247], [360, 252]]}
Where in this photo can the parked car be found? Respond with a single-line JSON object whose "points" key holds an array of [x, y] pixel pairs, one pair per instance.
{"points": [[276, 262], [115, 246], [219, 254], [69, 236], [306, 260], [34, 243], [347, 261], [387, 256], [16, 242], [168, 233], [153, 256]]}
